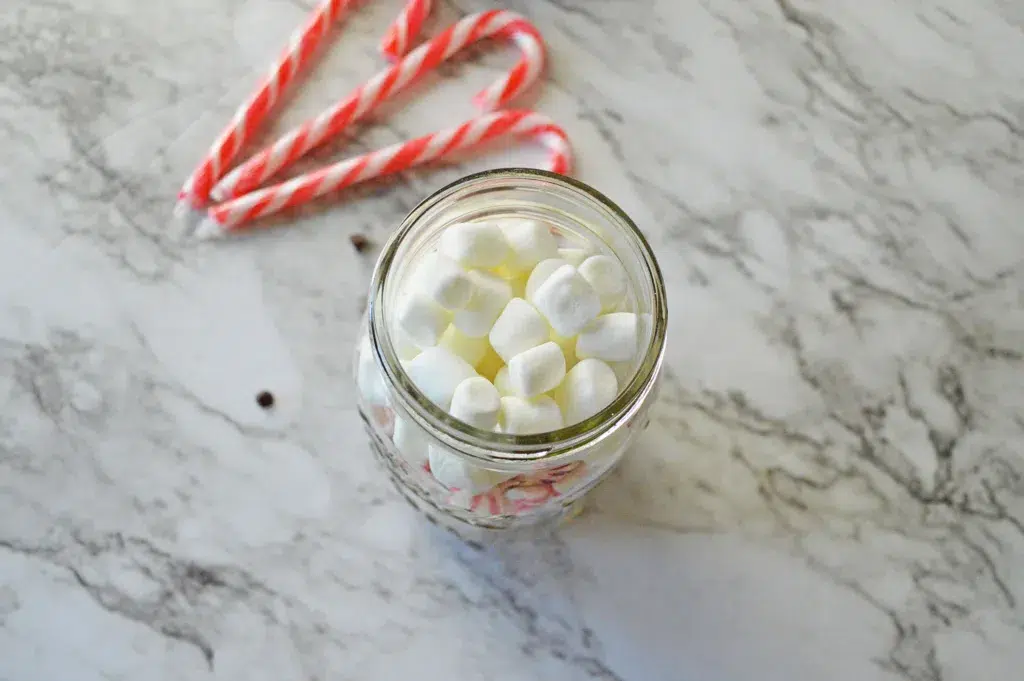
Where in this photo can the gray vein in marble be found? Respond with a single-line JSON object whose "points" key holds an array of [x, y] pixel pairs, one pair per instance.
{"points": [[833, 191]]}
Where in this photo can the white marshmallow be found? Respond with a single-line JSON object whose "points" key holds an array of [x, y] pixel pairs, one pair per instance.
{"points": [[422, 319], [540, 274], [470, 349], [605, 274], [410, 441], [536, 370], [474, 244], [587, 389], [368, 376], [529, 241], [611, 337], [567, 301], [524, 417], [476, 402], [442, 280], [455, 473], [624, 371], [501, 382], [519, 327], [491, 294], [436, 372], [573, 256]]}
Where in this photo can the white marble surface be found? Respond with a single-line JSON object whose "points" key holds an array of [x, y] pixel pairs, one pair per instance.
{"points": [[833, 484]]}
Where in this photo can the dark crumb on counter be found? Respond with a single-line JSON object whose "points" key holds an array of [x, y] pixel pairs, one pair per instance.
{"points": [[359, 242], [265, 399]]}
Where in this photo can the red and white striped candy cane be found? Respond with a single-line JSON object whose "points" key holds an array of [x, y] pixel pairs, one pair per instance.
{"points": [[295, 59], [233, 215], [404, 29], [299, 141]]}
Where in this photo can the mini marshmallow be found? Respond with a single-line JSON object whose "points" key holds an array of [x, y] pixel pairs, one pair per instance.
{"points": [[540, 274], [476, 402], [529, 241], [573, 256], [524, 417], [606, 276], [611, 337], [422, 319], [436, 372], [455, 473], [368, 377], [624, 371], [491, 294], [470, 349], [519, 327], [410, 441], [567, 301], [474, 244], [442, 280], [587, 389], [501, 382], [536, 370]]}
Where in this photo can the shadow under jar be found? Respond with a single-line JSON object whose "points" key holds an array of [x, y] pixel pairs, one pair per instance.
{"points": [[537, 478]]}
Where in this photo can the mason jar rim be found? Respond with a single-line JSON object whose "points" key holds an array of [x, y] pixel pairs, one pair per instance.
{"points": [[497, 448]]}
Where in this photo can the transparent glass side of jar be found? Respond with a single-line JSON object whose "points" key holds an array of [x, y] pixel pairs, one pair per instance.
{"points": [[517, 481], [522, 493]]}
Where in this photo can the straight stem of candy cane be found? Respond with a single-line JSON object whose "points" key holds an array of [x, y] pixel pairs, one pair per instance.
{"points": [[299, 141], [294, 59], [235, 214]]}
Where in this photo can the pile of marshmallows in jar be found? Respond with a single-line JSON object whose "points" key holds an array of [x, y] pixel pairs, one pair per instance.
{"points": [[509, 328]]}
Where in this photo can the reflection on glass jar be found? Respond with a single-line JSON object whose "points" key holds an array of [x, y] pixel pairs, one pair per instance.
{"points": [[502, 478]]}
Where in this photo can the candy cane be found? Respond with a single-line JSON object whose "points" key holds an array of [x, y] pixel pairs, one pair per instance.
{"points": [[232, 215], [363, 99], [295, 59], [404, 29]]}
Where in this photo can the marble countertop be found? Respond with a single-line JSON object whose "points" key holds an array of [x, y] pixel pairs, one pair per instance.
{"points": [[833, 483]]}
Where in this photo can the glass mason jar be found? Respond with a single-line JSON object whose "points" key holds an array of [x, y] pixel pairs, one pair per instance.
{"points": [[529, 479]]}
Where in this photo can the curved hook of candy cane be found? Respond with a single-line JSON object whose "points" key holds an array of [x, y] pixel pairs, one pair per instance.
{"points": [[404, 29], [292, 61], [233, 215], [425, 58], [524, 73]]}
